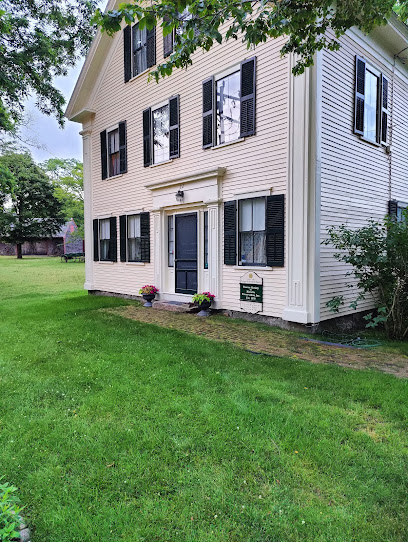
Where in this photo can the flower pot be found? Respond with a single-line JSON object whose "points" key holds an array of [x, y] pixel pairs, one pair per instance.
{"points": [[204, 308], [148, 298]]}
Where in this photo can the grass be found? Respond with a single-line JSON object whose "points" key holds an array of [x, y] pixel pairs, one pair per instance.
{"points": [[116, 430]]}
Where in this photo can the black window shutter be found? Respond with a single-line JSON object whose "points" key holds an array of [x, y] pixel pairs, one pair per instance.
{"points": [[275, 230], [127, 53], [113, 240], [151, 47], [248, 92], [145, 237], [96, 240], [104, 156], [147, 137], [359, 96], [168, 40], [122, 147], [384, 109], [230, 233], [208, 115], [393, 208], [174, 127], [123, 237]]}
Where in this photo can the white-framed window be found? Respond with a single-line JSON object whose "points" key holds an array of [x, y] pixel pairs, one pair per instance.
{"points": [[252, 231], [133, 239], [104, 239], [401, 207], [371, 103], [161, 132], [228, 106], [113, 152], [139, 49]]}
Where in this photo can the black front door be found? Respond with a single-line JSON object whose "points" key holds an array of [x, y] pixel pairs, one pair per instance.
{"points": [[186, 253]]}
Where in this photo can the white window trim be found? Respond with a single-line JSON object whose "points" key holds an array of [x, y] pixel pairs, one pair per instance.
{"points": [[128, 214], [228, 143], [378, 73], [251, 197], [152, 110], [229, 71]]}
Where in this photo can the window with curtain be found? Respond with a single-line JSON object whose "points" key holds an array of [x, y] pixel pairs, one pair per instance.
{"points": [[139, 48], [104, 239], [133, 238], [113, 153], [252, 234], [170, 241], [228, 108]]}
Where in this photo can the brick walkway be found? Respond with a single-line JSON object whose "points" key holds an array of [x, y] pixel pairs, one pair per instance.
{"points": [[269, 340]]}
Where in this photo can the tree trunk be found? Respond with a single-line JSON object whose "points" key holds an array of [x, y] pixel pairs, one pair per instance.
{"points": [[19, 251]]}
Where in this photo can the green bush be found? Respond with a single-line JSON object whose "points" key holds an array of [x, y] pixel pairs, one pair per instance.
{"points": [[9, 513], [378, 254]]}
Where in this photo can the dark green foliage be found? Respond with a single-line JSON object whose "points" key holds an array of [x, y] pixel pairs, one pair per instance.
{"points": [[29, 208], [39, 41], [68, 179], [9, 512], [378, 254], [308, 26]]}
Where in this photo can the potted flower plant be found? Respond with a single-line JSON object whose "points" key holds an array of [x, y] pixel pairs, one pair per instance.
{"points": [[148, 293], [203, 301]]}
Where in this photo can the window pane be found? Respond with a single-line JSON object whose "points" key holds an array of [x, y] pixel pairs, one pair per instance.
{"points": [[245, 215], [228, 108], [259, 248], [370, 106], [133, 226], [247, 248], [258, 214], [104, 229], [139, 50], [134, 252], [171, 241], [161, 134]]}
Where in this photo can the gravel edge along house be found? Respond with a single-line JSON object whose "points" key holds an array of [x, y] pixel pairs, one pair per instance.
{"points": [[224, 177]]}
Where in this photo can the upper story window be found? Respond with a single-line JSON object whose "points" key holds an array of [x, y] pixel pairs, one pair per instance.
{"points": [[114, 151], [168, 40], [371, 103], [397, 210], [161, 133], [139, 50], [228, 108], [229, 105]]}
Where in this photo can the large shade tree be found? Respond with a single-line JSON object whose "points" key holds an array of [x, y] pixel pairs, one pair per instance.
{"points": [[308, 26], [28, 207], [39, 40]]}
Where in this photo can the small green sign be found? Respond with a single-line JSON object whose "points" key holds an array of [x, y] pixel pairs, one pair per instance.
{"points": [[251, 292]]}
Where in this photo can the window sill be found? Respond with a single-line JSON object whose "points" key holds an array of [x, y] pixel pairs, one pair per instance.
{"points": [[252, 267], [105, 262], [374, 143], [139, 75], [228, 143], [162, 163], [114, 177], [135, 263]]}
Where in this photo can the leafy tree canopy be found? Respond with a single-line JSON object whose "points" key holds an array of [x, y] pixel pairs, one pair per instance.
{"points": [[39, 40], [28, 206], [306, 25], [67, 178]]}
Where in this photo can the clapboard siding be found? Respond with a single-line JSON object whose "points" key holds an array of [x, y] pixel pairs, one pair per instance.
{"points": [[257, 163], [355, 179]]}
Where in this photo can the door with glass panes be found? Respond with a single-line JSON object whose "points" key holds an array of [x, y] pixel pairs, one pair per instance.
{"points": [[185, 260]]}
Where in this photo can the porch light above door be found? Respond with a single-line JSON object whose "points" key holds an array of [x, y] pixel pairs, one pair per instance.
{"points": [[180, 196]]}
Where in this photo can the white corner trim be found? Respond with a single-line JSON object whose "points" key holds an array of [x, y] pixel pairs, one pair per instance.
{"points": [[184, 179], [298, 316]]}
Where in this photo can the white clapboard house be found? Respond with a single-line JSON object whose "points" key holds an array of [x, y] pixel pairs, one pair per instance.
{"points": [[227, 174]]}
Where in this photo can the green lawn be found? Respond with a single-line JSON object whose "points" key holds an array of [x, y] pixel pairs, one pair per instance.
{"points": [[115, 430]]}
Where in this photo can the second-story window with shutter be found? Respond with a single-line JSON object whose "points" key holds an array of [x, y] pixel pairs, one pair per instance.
{"points": [[229, 104], [114, 151], [161, 132], [139, 50]]}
